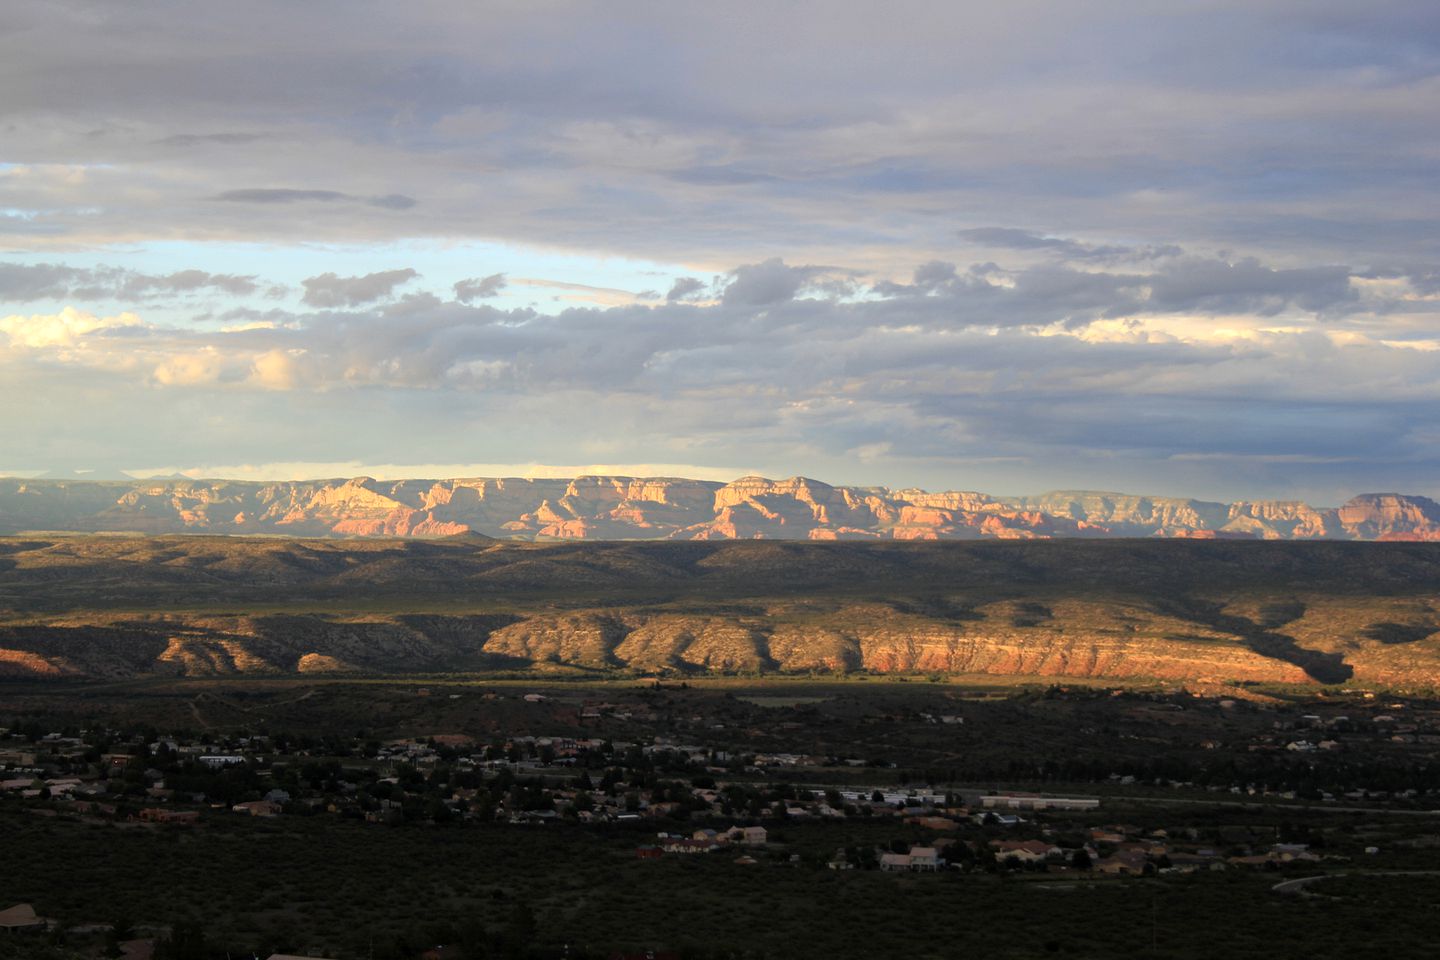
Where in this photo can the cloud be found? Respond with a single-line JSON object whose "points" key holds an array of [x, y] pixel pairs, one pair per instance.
{"points": [[479, 288], [1275, 128], [302, 470], [934, 274], [774, 281], [391, 201], [51, 281], [277, 370], [1247, 285], [758, 284], [1129, 234], [979, 382], [686, 288], [198, 139], [64, 329], [1009, 238], [330, 290], [188, 369]]}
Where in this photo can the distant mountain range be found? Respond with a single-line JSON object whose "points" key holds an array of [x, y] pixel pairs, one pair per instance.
{"points": [[629, 508]]}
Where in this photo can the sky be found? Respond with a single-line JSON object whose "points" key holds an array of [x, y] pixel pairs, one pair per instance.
{"points": [[1172, 248]]}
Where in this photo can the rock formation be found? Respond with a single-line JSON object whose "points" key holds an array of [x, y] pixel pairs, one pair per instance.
{"points": [[657, 508]]}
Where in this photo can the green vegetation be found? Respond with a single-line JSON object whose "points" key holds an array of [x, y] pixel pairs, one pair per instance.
{"points": [[313, 885], [398, 867]]}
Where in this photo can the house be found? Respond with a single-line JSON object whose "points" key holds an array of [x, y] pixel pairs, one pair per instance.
{"points": [[750, 836], [1026, 851], [1181, 862], [686, 845], [1286, 852], [258, 808], [1124, 862], [161, 815], [895, 862], [93, 807], [21, 918], [1027, 801], [216, 761], [924, 858]]}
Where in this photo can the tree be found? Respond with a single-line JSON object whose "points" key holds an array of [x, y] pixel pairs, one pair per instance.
{"points": [[121, 929], [186, 942]]}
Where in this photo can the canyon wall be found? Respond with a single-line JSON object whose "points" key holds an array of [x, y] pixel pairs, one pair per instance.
{"points": [[629, 508]]}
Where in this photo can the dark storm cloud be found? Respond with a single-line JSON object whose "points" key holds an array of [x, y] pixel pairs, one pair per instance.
{"points": [[329, 290]]}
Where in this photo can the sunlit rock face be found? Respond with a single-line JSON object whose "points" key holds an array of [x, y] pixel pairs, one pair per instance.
{"points": [[1390, 516], [658, 508]]}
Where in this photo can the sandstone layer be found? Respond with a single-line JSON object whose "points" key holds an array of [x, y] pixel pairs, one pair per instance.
{"points": [[631, 508], [1122, 610]]}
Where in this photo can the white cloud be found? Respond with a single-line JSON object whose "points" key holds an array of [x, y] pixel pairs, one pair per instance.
{"points": [[68, 328], [189, 369], [277, 370]]}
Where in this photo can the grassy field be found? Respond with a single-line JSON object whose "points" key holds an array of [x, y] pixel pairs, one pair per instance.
{"points": [[314, 885]]}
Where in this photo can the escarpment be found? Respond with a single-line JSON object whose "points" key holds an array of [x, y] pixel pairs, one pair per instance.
{"points": [[661, 508], [1123, 611]]}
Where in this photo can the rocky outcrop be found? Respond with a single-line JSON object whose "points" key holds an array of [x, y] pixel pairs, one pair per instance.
{"points": [[1390, 516], [1281, 520], [626, 508], [1070, 638], [1128, 514], [1317, 612]]}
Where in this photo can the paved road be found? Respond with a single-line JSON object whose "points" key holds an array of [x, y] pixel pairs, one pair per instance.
{"points": [[1297, 886], [1279, 805], [972, 797]]}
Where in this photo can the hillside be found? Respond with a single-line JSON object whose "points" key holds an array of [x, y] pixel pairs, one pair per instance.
{"points": [[628, 508], [1124, 609]]}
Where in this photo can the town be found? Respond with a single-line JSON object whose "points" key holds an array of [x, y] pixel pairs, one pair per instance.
{"points": [[1307, 794]]}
